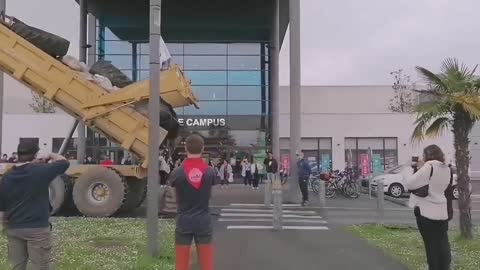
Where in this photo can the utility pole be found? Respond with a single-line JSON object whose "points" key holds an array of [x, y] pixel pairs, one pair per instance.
{"points": [[82, 56], [295, 99], [275, 45], [154, 128], [3, 6]]}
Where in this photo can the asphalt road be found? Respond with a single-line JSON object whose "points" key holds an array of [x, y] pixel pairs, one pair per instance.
{"points": [[339, 210]]}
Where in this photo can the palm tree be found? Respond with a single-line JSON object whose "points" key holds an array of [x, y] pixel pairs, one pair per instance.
{"points": [[454, 105]]}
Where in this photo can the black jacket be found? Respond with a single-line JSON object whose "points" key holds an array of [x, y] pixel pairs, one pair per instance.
{"points": [[24, 194], [271, 165]]}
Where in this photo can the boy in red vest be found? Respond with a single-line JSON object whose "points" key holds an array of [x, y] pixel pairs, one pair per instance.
{"points": [[193, 182]]}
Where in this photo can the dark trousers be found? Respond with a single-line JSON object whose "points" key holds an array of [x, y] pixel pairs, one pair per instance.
{"points": [[29, 244], [435, 238], [247, 180], [303, 181], [163, 178], [255, 181]]}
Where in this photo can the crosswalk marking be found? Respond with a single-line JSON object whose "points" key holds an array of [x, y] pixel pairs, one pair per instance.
{"points": [[252, 227], [266, 211], [270, 220], [264, 215], [259, 217], [261, 205]]}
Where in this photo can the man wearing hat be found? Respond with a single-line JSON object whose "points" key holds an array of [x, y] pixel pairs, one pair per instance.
{"points": [[24, 197]]}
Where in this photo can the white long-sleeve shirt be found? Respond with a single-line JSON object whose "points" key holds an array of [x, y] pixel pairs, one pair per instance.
{"points": [[163, 165], [434, 206]]}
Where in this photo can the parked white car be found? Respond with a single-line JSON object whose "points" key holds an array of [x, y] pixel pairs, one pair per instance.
{"points": [[394, 181]]}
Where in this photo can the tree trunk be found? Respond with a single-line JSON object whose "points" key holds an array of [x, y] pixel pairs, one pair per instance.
{"points": [[461, 129]]}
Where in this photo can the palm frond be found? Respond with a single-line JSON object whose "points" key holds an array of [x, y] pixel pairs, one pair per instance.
{"points": [[432, 79], [439, 107], [472, 109], [418, 132], [438, 127]]}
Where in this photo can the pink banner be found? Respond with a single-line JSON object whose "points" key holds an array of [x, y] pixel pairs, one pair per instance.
{"points": [[365, 165]]}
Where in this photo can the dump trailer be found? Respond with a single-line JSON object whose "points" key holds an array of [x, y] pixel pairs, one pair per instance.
{"points": [[94, 190]]}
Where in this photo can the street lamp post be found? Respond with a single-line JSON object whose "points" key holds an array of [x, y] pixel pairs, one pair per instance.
{"points": [[295, 98], [3, 5], [154, 131]]}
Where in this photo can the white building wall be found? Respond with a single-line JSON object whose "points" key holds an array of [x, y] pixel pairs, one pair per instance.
{"points": [[42, 126], [339, 112]]}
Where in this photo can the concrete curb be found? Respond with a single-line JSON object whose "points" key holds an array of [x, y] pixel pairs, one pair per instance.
{"points": [[388, 198]]}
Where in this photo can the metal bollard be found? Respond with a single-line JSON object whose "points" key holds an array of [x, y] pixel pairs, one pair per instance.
{"points": [[321, 194], [370, 188], [277, 205], [380, 201], [268, 192]]}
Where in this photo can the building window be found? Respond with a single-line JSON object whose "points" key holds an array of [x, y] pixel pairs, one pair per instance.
{"points": [[244, 108], [317, 150], [245, 93], [33, 141], [70, 151], [385, 148], [210, 93], [208, 108], [196, 62], [205, 49]]}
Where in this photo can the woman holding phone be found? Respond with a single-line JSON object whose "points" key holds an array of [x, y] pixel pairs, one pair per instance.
{"points": [[428, 188]]}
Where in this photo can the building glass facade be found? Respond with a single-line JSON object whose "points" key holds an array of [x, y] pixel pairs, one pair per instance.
{"points": [[229, 79], [386, 148]]}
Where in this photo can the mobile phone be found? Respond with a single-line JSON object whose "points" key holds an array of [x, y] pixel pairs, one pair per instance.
{"points": [[414, 159]]}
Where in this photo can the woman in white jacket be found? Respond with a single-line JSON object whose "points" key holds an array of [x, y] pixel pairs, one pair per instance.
{"points": [[225, 173], [431, 211]]}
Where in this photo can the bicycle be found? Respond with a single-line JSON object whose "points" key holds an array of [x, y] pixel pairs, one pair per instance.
{"points": [[342, 182], [314, 183]]}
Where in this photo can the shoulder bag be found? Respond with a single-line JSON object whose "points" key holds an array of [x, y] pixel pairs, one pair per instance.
{"points": [[423, 191]]}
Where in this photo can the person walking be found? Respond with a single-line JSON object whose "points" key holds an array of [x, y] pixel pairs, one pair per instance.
{"points": [[225, 173], [304, 172], [164, 171], [432, 205], [193, 182], [247, 172], [24, 198], [13, 158], [271, 165], [127, 160], [90, 161], [255, 175], [215, 169]]}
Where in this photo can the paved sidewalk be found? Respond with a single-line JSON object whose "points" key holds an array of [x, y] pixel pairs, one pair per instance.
{"points": [[288, 250]]}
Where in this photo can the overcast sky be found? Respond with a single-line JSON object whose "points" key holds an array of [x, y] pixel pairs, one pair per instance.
{"points": [[344, 42]]}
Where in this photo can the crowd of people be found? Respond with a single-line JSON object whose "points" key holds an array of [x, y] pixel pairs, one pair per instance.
{"points": [[12, 159], [24, 199]]}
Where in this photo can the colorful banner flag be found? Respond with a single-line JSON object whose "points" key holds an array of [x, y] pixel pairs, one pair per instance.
{"points": [[365, 165]]}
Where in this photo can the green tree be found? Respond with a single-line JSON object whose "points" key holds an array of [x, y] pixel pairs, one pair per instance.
{"points": [[403, 98], [453, 105]]}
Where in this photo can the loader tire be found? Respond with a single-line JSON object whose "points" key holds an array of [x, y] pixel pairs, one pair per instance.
{"points": [[144, 194], [52, 44], [135, 194], [57, 192], [168, 117], [68, 208], [115, 75], [99, 192], [169, 120]]}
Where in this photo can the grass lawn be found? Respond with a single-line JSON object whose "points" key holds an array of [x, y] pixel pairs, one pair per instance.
{"points": [[405, 244], [83, 243]]}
